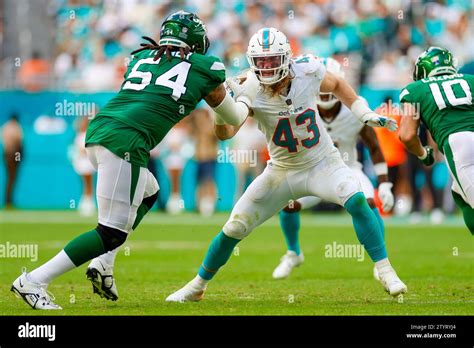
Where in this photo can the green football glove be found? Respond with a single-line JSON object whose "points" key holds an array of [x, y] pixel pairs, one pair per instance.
{"points": [[428, 157]]}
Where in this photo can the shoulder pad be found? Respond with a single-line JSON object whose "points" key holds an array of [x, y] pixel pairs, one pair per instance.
{"points": [[307, 63]]}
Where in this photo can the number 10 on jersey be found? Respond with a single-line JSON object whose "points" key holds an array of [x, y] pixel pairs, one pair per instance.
{"points": [[283, 135]]}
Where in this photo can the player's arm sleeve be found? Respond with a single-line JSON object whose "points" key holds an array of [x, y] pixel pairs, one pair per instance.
{"points": [[215, 71], [405, 96], [231, 112], [407, 102]]}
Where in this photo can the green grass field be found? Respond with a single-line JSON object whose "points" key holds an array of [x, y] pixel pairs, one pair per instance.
{"points": [[436, 262]]}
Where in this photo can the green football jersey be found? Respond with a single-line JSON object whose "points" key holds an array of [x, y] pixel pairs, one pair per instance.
{"points": [[153, 98], [444, 103]]}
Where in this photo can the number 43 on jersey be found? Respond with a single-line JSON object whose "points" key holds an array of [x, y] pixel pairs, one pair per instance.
{"points": [[283, 135]]}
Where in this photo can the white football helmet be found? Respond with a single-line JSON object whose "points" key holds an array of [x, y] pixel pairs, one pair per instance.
{"points": [[269, 54], [328, 100]]}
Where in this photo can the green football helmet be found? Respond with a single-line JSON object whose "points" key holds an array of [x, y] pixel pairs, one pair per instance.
{"points": [[432, 62], [184, 29]]}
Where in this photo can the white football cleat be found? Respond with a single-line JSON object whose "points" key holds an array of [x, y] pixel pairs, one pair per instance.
{"points": [[391, 283], [376, 274], [101, 276], [34, 294], [188, 293], [288, 261]]}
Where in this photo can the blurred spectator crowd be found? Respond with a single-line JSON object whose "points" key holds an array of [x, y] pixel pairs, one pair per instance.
{"points": [[376, 40]]}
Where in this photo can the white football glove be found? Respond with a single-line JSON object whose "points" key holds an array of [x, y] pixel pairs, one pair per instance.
{"points": [[245, 92], [365, 114], [232, 86], [373, 119], [386, 196]]}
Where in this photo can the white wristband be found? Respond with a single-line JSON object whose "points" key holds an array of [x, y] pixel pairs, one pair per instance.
{"points": [[218, 120], [232, 112], [359, 108], [381, 168]]}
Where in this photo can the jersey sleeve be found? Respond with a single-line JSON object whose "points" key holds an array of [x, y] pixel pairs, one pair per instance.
{"points": [[214, 70], [406, 95]]}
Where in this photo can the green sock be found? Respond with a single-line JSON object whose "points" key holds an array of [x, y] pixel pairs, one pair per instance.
{"points": [[217, 255], [85, 247], [467, 211], [290, 224]]}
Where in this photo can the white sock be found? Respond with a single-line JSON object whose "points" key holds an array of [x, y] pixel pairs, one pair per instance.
{"points": [[207, 205], [383, 266], [109, 257], [199, 282], [52, 269]]}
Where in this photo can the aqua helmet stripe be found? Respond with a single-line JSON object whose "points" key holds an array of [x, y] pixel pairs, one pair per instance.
{"points": [[266, 39]]}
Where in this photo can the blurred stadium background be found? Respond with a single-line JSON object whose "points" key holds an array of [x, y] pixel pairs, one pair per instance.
{"points": [[60, 61]]}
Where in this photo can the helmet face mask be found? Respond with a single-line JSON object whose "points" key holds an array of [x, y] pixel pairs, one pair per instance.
{"points": [[270, 69], [186, 30], [269, 54], [326, 100]]}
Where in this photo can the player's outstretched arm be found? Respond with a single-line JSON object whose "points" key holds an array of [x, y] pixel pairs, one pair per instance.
{"points": [[234, 112], [341, 89], [229, 111], [231, 115], [346, 94], [409, 137], [228, 114], [225, 131], [380, 166]]}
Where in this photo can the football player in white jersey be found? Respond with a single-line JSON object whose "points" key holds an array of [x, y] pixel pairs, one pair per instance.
{"points": [[345, 130], [304, 161]]}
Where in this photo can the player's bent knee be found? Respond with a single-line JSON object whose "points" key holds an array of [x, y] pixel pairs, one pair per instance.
{"points": [[111, 237], [346, 189], [236, 229]]}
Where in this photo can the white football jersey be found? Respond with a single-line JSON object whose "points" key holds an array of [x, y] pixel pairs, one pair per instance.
{"points": [[344, 131], [295, 134]]}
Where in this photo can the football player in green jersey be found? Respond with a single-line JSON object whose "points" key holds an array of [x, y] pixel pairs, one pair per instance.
{"points": [[441, 98], [163, 84]]}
